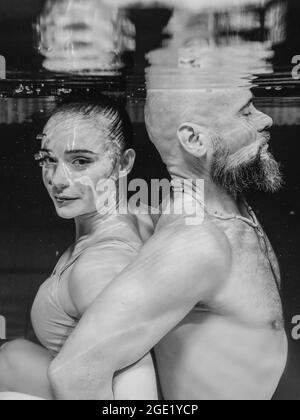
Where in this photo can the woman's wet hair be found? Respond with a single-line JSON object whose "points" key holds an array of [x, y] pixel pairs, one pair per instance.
{"points": [[104, 113]]}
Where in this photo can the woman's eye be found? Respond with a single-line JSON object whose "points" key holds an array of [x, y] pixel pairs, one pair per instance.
{"points": [[80, 162], [46, 161]]}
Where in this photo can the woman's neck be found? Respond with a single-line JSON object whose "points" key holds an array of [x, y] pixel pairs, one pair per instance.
{"points": [[97, 221], [87, 224]]}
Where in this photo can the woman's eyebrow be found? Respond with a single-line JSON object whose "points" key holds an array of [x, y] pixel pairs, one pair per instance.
{"points": [[78, 151]]}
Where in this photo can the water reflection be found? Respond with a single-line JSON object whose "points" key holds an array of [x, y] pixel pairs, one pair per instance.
{"points": [[219, 47], [90, 36], [85, 36]]}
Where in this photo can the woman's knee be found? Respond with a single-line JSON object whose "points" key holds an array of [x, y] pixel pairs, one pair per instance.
{"points": [[19, 343], [23, 368], [10, 355]]}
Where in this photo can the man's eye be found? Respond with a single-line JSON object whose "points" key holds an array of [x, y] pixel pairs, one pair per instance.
{"points": [[247, 112]]}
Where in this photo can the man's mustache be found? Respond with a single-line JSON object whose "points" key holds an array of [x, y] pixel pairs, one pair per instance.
{"points": [[266, 135]]}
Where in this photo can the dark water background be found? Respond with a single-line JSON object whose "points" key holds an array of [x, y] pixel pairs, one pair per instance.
{"points": [[32, 237]]}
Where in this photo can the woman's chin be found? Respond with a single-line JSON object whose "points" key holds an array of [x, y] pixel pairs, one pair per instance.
{"points": [[67, 214], [70, 210], [62, 216]]}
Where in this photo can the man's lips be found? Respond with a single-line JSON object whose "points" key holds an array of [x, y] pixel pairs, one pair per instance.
{"points": [[266, 136]]}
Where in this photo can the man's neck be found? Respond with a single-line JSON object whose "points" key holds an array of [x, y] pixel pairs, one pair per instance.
{"points": [[216, 198]]}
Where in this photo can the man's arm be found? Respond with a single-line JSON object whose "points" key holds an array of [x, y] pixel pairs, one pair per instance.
{"points": [[91, 274], [174, 271]]}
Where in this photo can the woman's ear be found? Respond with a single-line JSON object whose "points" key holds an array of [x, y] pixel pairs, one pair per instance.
{"points": [[127, 162], [193, 138]]}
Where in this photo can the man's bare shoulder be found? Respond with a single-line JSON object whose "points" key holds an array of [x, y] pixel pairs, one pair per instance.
{"points": [[199, 248], [204, 234]]}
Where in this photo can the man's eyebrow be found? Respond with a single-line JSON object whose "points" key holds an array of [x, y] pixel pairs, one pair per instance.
{"points": [[46, 151], [78, 151]]}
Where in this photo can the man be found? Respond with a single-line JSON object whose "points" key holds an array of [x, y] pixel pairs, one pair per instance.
{"points": [[206, 296]]}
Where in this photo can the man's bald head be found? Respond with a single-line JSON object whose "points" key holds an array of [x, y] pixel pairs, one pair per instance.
{"points": [[216, 133], [166, 110]]}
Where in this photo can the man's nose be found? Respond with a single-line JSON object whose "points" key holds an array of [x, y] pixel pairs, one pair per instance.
{"points": [[60, 179], [264, 121]]}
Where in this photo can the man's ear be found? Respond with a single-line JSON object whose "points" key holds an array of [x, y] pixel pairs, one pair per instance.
{"points": [[193, 138], [127, 162]]}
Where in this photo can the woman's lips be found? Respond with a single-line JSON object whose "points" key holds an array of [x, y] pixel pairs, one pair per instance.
{"points": [[64, 200]]}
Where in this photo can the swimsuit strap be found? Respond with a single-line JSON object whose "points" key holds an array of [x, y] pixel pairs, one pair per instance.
{"points": [[59, 270], [70, 263], [132, 245]]}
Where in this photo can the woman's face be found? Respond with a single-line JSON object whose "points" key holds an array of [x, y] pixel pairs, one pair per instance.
{"points": [[75, 160]]}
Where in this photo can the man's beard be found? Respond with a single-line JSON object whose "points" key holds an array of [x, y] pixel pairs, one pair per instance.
{"points": [[238, 173]]}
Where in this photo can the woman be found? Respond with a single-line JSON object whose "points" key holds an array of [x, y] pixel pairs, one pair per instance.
{"points": [[83, 145]]}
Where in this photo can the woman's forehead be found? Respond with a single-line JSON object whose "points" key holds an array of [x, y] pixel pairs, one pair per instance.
{"points": [[73, 133]]}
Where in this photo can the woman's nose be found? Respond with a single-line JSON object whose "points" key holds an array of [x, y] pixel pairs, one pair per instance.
{"points": [[60, 179]]}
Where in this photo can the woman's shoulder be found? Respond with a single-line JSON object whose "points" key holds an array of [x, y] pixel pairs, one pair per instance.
{"points": [[97, 267], [108, 253]]}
